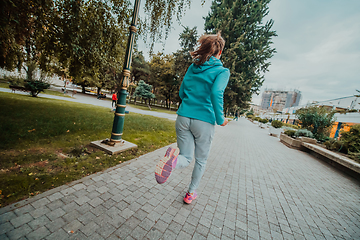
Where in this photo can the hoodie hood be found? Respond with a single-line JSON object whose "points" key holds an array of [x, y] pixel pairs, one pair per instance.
{"points": [[212, 62]]}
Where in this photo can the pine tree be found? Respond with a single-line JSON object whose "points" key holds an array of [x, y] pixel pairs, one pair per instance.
{"points": [[143, 90], [247, 48]]}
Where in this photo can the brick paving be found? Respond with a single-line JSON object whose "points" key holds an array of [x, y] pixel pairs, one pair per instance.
{"points": [[254, 187]]}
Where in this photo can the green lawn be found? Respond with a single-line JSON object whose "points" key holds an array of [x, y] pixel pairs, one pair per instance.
{"points": [[4, 85], [37, 132], [153, 108], [56, 93]]}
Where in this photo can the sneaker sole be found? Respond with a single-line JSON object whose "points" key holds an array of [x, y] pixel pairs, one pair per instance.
{"points": [[165, 166]]}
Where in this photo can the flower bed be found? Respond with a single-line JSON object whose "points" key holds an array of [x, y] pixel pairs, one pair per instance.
{"points": [[290, 142]]}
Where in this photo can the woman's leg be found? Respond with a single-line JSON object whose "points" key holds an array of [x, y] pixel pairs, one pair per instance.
{"points": [[203, 133], [185, 142]]}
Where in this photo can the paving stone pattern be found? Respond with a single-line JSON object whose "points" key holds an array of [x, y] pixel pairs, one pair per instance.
{"points": [[254, 187]]}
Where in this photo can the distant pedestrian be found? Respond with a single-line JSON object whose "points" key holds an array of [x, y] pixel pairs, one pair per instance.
{"points": [[236, 116], [114, 99], [202, 93]]}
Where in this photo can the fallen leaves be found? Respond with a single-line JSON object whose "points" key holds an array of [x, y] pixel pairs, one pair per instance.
{"points": [[31, 130]]}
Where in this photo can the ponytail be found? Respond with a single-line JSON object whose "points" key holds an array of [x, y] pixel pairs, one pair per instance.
{"points": [[210, 45]]}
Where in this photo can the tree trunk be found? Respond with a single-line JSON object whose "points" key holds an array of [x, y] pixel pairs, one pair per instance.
{"points": [[83, 88]]}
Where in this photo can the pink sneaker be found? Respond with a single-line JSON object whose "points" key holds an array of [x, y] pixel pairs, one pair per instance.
{"points": [[189, 197], [166, 165]]}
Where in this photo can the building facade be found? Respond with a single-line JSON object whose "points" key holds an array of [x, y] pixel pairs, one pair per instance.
{"points": [[278, 99]]}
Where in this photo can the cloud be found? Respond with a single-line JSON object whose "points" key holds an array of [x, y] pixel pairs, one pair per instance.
{"points": [[319, 54]]}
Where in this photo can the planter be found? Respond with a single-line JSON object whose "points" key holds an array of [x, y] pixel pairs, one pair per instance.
{"points": [[275, 131], [290, 142], [308, 140]]}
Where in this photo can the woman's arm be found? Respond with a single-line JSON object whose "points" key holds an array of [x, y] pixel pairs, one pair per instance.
{"points": [[217, 95]]}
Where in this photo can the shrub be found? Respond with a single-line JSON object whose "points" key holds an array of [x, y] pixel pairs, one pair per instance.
{"points": [[290, 133], [316, 119], [249, 113], [277, 124], [336, 145], [355, 156], [15, 81], [35, 87], [291, 125], [257, 119], [263, 120], [352, 138], [250, 116], [304, 133]]}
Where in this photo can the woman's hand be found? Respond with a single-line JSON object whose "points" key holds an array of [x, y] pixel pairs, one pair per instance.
{"points": [[225, 122]]}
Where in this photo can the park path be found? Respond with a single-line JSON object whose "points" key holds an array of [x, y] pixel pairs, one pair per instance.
{"points": [[254, 187]]}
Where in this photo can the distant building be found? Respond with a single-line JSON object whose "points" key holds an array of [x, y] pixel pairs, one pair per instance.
{"points": [[278, 99]]}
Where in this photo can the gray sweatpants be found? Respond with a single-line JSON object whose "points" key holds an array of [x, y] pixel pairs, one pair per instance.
{"points": [[193, 136]]}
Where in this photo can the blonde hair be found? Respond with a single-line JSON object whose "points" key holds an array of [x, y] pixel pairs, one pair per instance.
{"points": [[210, 45]]}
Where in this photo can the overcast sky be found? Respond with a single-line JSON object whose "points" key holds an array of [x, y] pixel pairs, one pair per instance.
{"points": [[318, 46]]}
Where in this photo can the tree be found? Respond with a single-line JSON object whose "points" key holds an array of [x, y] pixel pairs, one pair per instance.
{"points": [[88, 39], [166, 83], [140, 68], [316, 119], [161, 14], [22, 24], [143, 90], [247, 46], [182, 58], [81, 40], [36, 86]]}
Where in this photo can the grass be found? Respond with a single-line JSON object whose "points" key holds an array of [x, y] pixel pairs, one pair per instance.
{"points": [[4, 85], [56, 93], [153, 108], [36, 134]]}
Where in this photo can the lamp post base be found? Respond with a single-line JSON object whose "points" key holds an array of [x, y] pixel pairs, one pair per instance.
{"points": [[113, 147]]}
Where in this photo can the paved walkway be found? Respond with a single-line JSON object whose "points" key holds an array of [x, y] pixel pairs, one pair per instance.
{"points": [[254, 187]]}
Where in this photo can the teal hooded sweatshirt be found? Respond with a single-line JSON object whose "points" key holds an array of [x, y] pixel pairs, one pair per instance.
{"points": [[202, 92]]}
